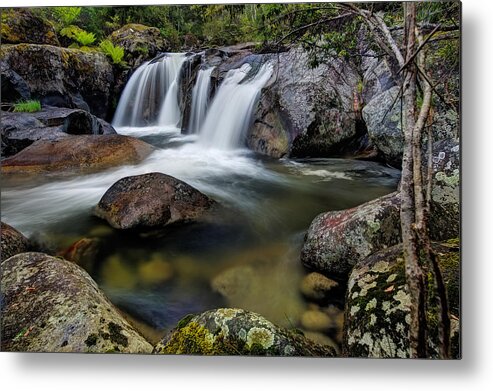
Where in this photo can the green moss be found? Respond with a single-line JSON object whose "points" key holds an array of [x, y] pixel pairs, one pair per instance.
{"points": [[28, 106], [184, 321], [190, 339]]}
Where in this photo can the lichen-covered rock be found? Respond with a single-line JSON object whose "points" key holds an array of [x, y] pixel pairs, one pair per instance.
{"points": [[140, 42], [229, 331], [316, 286], [377, 305], [52, 305], [445, 195], [13, 242], [63, 77], [382, 116], [19, 130], [151, 201], [22, 26], [77, 154], [336, 241]]}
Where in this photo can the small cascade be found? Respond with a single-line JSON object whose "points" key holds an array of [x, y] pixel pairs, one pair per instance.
{"points": [[200, 99], [230, 114], [149, 92]]}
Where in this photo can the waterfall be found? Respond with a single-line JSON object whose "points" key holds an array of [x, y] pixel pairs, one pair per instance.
{"points": [[151, 95], [230, 114], [200, 99]]}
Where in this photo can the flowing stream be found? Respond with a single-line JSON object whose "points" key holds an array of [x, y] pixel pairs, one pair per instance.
{"points": [[247, 256]]}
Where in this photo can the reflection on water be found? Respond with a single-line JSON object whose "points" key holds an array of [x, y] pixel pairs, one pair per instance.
{"points": [[247, 256]]}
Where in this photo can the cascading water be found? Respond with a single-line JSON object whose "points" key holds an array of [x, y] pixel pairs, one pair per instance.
{"points": [[230, 114], [200, 99], [150, 96]]}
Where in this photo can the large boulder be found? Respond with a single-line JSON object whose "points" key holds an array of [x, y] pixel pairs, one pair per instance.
{"points": [[336, 241], [228, 331], [13, 242], [52, 305], [151, 201], [77, 154], [378, 304], [445, 194], [63, 77], [312, 108], [19, 130], [14, 88], [22, 26], [382, 116]]}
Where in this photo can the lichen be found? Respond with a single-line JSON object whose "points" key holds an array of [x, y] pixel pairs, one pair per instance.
{"points": [[260, 336]]}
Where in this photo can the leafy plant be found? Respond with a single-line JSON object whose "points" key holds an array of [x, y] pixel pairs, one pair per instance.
{"points": [[70, 31], [116, 53], [66, 15], [28, 106], [84, 38]]}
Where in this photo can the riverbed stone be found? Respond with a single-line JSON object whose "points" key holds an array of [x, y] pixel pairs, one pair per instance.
{"points": [[336, 241], [231, 331], [316, 286], [377, 314], [19, 130], [52, 305], [13, 242], [76, 154], [151, 200]]}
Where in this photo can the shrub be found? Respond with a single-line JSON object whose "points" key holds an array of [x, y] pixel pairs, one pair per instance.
{"points": [[84, 38], [66, 15], [28, 106], [116, 53]]}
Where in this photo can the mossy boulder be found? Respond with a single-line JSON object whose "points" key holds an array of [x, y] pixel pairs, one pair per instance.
{"points": [[229, 331], [22, 26], [151, 200], [52, 305], [13, 242], [377, 314], [140, 42], [336, 241], [445, 195], [76, 154], [19, 130], [63, 77]]}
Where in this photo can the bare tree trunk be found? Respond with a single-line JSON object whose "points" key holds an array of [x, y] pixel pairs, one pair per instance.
{"points": [[414, 272]]}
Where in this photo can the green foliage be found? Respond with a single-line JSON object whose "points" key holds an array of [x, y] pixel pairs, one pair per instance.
{"points": [[116, 53], [84, 38], [66, 15], [71, 31], [28, 106]]}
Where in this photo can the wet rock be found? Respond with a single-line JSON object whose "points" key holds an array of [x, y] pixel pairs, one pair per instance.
{"points": [[382, 116], [336, 241], [22, 26], [228, 331], [151, 201], [316, 286], [308, 109], [19, 130], [13, 242], [76, 154], [377, 307], [52, 305], [63, 77], [83, 252], [317, 321]]}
